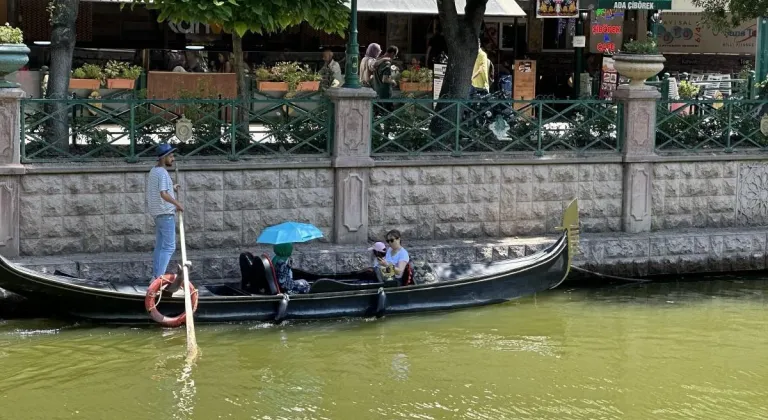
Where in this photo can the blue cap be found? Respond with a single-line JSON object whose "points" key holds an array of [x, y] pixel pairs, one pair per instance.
{"points": [[164, 150]]}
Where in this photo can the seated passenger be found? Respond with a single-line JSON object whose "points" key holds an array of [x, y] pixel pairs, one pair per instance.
{"points": [[395, 259], [283, 269]]}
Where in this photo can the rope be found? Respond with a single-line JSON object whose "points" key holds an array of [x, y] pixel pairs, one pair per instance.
{"points": [[607, 276]]}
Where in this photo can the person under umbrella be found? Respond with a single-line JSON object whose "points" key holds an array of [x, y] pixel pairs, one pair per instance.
{"points": [[283, 264]]}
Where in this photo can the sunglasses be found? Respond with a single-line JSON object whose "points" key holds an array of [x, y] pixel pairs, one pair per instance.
{"points": [[390, 240]]}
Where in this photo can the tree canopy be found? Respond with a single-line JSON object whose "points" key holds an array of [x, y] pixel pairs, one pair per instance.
{"points": [[257, 16], [722, 14]]}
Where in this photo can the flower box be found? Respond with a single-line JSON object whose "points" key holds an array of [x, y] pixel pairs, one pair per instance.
{"points": [[308, 86], [415, 87], [91, 84], [120, 83], [272, 86]]}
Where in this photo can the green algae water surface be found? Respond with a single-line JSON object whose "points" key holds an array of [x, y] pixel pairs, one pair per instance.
{"points": [[660, 351]]}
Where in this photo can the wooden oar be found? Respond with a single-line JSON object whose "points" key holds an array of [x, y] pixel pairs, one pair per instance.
{"points": [[192, 349]]}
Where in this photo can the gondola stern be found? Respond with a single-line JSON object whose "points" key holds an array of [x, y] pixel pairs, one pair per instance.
{"points": [[571, 227]]}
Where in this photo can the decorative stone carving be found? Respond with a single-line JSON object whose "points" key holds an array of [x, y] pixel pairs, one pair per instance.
{"points": [[353, 130], [752, 195], [641, 128], [636, 214], [6, 131], [9, 216], [639, 198], [353, 202]]}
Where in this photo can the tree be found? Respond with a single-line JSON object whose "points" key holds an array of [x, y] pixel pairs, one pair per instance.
{"points": [[461, 35], [239, 17], [63, 19], [723, 14]]}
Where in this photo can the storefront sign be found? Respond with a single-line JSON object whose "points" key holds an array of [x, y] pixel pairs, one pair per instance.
{"points": [[606, 32], [635, 5], [684, 33], [557, 8]]}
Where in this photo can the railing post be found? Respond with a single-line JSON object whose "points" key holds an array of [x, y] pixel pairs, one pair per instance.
{"points": [[639, 137], [352, 162], [665, 87], [11, 170]]}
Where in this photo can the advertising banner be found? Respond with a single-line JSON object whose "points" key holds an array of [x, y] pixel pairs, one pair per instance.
{"points": [[557, 8], [684, 33], [606, 31]]}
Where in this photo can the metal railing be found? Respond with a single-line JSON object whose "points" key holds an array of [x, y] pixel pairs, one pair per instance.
{"points": [[130, 129], [462, 127], [710, 125]]}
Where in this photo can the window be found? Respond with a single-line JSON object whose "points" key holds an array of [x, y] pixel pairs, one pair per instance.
{"points": [[557, 34], [513, 35]]}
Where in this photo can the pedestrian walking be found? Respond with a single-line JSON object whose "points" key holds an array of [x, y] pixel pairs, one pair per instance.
{"points": [[162, 206]]}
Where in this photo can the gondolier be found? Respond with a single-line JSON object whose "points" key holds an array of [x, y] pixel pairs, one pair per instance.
{"points": [[162, 206]]}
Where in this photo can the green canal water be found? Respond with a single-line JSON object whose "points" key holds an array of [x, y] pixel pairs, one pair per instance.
{"points": [[661, 351]]}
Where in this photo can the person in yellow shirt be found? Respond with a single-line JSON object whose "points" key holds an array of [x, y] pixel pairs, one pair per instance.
{"points": [[480, 83]]}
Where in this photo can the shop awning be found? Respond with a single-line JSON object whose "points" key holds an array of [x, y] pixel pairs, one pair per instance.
{"points": [[494, 8]]}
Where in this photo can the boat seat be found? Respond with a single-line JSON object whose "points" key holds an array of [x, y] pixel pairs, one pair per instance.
{"points": [[254, 280], [264, 265]]}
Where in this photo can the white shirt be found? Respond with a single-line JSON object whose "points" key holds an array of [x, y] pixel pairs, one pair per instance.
{"points": [[159, 180]]}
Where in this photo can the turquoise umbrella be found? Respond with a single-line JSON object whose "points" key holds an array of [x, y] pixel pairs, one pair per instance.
{"points": [[289, 232]]}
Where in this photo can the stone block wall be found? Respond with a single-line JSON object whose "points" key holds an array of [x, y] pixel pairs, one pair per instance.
{"points": [[442, 202], [105, 212], [710, 195]]}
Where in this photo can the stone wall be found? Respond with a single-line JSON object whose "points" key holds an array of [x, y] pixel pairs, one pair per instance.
{"points": [[710, 195], [105, 212], [442, 202]]}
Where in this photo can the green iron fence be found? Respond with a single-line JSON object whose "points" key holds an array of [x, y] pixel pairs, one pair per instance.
{"points": [[130, 129], [710, 126], [461, 127]]}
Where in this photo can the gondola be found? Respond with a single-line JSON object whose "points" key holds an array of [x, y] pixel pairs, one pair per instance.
{"points": [[257, 297]]}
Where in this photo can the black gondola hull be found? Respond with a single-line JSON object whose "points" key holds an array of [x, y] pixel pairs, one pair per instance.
{"points": [[460, 286]]}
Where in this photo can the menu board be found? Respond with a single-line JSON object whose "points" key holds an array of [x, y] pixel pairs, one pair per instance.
{"points": [[524, 87], [609, 79]]}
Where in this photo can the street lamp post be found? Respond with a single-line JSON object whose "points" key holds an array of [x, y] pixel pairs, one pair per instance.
{"points": [[353, 50]]}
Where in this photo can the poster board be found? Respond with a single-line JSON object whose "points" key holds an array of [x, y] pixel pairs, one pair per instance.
{"points": [[609, 79], [438, 74], [524, 87], [563, 9]]}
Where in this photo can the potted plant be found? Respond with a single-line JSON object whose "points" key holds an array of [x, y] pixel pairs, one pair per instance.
{"points": [[638, 61], [13, 53], [287, 77], [121, 75], [687, 91], [416, 80], [89, 76]]}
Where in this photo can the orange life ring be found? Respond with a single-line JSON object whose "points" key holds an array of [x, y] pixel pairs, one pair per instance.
{"points": [[150, 301]]}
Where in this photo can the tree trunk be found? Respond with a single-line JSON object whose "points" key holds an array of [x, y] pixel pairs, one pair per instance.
{"points": [[63, 18], [461, 35], [243, 91]]}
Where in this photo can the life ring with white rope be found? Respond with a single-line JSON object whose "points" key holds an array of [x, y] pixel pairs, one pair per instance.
{"points": [[152, 298]]}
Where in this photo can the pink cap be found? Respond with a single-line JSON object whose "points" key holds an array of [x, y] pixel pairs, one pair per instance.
{"points": [[378, 246]]}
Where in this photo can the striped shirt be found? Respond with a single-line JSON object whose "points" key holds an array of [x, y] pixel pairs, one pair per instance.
{"points": [[159, 180]]}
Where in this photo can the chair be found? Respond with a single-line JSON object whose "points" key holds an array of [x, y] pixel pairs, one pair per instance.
{"points": [[252, 270], [407, 278], [270, 274]]}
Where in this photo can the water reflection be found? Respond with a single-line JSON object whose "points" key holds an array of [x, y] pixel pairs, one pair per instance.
{"points": [[662, 351]]}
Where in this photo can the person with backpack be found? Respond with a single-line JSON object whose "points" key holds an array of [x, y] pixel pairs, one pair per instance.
{"points": [[383, 82]]}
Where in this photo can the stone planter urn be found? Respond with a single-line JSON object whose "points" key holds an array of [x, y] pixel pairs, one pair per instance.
{"points": [[639, 67], [12, 58]]}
